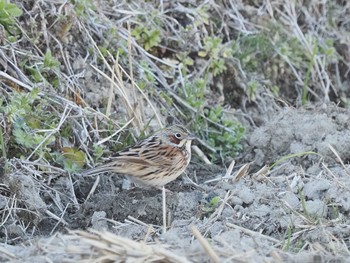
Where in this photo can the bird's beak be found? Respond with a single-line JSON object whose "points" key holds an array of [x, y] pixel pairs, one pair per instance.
{"points": [[191, 136]]}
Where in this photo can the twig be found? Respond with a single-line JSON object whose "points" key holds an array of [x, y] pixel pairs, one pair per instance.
{"points": [[53, 131], [243, 171], [201, 155], [19, 83], [137, 221], [115, 133], [93, 188], [8, 254], [253, 233], [205, 244], [230, 168], [339, 158], [59, 219]]}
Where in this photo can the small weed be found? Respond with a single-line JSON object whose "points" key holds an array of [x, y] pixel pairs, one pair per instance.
{"points": [[8, 13], [216, 52], [97, 152], [82, 7], [28, 115], [303, 203], [213, 125], [288, 242], [194, 93], [147, 79], [72, 159], [252, 51], [148, 38], [184, 60], [333, 212], [210, 123], [252, 90], [225, 138], [50, 62], [292, 244], [304, 98], [44, 71], [209, 207]]}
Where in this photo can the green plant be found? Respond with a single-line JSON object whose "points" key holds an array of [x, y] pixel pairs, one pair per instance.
{"points": [[291, 245], [28, 115], [148, 38], [97, 152], [47, 70], [194, 93], [252, 90], [146, 78], [8, 13], [83, 7], [325, 50], [71, 158], [209, 207], [288, 242], [252, 51], [216, 52], [304, 98], [303, 203], [222, 134]]}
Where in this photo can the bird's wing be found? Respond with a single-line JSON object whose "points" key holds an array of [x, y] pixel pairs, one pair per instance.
{"points": [[150, 152]]}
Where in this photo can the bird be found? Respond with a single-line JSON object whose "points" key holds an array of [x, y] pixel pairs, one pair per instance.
{"points": [[154, 161]]}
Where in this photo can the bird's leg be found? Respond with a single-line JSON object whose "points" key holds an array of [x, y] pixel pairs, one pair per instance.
{"points": [[164, 209]]}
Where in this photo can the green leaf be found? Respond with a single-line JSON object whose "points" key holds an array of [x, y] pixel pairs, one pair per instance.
{"points": [[214, 201], [50, 61], [74, 158], [13, 10], [8, 12]]}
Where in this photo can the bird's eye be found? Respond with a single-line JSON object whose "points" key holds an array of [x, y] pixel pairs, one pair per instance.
{"points": [[178, 135]]}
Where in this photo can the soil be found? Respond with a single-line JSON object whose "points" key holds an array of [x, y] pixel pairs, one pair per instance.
{"points": [[297, 211]]}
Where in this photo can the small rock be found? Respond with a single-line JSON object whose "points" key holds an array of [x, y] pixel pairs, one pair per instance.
{"points": [[261, 211], [228, 212], [230, 236], [98, 220], [246, 195], [313, 189], [291, 199], [290, 220], [298, 147], [217, 228], [316, 208], [236, 201]]}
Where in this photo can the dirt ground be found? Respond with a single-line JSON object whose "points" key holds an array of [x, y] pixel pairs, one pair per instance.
{"points": [[296, 212]]}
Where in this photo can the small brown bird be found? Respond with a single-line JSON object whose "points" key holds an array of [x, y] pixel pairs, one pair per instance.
{"points": [[154, 161]]}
